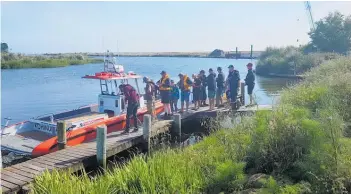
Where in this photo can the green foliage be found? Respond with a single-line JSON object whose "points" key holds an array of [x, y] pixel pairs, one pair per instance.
{"points": [[205, 167], [288, 60], [12, 61], [332, 34]]}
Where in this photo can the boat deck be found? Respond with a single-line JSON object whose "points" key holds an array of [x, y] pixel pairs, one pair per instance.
{"points": [[36, 135], [83, 116]]}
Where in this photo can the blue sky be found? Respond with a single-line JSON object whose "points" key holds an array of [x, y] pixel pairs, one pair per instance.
{"points": [[38, 27]]}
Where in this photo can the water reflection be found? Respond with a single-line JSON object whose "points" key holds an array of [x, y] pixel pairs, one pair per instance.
{"points": [[271, 87]]}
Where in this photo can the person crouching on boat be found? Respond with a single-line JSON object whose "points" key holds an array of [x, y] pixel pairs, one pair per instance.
{"points": [[165, 92], [150, 94], [132, 99]]}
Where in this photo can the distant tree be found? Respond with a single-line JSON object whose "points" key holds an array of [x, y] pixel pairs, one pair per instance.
{"points": [[332, 34], [4, 47], [217, 53]]}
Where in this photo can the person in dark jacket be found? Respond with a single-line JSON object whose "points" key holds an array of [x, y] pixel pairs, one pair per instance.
{"points": [[233, 82], [220, 87], [250, 82], [211, 86], [197, 91], [132, 99], [203, 96], [165, 92]]}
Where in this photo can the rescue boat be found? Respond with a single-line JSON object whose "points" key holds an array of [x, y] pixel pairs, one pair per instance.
{"points": [[38, 136]]}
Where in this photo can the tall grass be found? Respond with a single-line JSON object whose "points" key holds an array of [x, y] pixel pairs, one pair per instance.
{"points": [[300, 146], [13, 61]]}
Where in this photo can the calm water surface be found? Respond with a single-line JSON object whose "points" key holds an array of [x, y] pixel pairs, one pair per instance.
{"points": [[27, 93]]}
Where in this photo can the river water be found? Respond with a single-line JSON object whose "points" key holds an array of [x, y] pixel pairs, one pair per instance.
{"points": [[28, 93]]}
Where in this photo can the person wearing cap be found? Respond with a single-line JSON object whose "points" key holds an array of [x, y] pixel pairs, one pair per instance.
{"points": [[165, 92], [233, 83], [185, 84], [150, 93], [203, 95], [250, 82], [220, 87], [211, 86]]}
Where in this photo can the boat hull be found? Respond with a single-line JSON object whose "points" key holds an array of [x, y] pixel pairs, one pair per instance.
{"points": [[74, 137]]}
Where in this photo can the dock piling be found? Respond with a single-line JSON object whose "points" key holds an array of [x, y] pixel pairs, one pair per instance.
{"points": [[177, 125], [147, 130], [61, 135], [242, 91], [101, 137]]}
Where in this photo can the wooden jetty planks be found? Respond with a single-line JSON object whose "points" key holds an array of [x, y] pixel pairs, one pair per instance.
{"points": [[7, 186], [19, 172], [5, 173], [13, 180]]}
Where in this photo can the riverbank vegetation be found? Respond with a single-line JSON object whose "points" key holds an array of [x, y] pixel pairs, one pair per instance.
{"points": [[302, 146], [289, 61], [331, 37], [17, 61]]}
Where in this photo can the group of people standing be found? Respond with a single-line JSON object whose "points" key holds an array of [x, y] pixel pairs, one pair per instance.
{"points": [[170, 91], [212, 86]]}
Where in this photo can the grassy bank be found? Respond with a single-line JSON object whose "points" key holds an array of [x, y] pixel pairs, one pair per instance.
{"points": [[303, 146], [287, 60], [17, 61]]}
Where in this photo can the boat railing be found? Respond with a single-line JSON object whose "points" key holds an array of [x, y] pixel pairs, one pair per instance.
{"points": [[8, 119]]}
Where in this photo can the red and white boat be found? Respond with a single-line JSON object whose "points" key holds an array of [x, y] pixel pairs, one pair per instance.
{"points": [[38, 136]]}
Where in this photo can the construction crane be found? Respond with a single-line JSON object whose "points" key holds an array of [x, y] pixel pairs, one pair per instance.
{"points": [[309, 15]]}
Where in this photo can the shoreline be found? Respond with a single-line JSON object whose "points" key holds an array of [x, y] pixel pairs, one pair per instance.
{"points": [[13, 61], [228, 54], [275, 75]]}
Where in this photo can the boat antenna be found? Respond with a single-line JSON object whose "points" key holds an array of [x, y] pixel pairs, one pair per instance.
{"points": [[117, 50]]}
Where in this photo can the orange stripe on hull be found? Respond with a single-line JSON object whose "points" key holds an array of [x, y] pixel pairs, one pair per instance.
{"points": [[88, 133]]}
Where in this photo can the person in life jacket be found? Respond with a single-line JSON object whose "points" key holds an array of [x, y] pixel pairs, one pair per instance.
{"points": [[250, 82], [165, 92], [184, 84], [132, 99], [150, 94]]}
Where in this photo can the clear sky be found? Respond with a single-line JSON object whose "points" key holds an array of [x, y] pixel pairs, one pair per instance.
{"points": [[39, 27]]}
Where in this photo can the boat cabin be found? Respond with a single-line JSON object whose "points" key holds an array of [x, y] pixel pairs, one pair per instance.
{"points": [[111, 100]]}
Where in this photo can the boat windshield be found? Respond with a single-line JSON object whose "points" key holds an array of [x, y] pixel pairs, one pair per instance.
{"points": [[113, 86]]}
